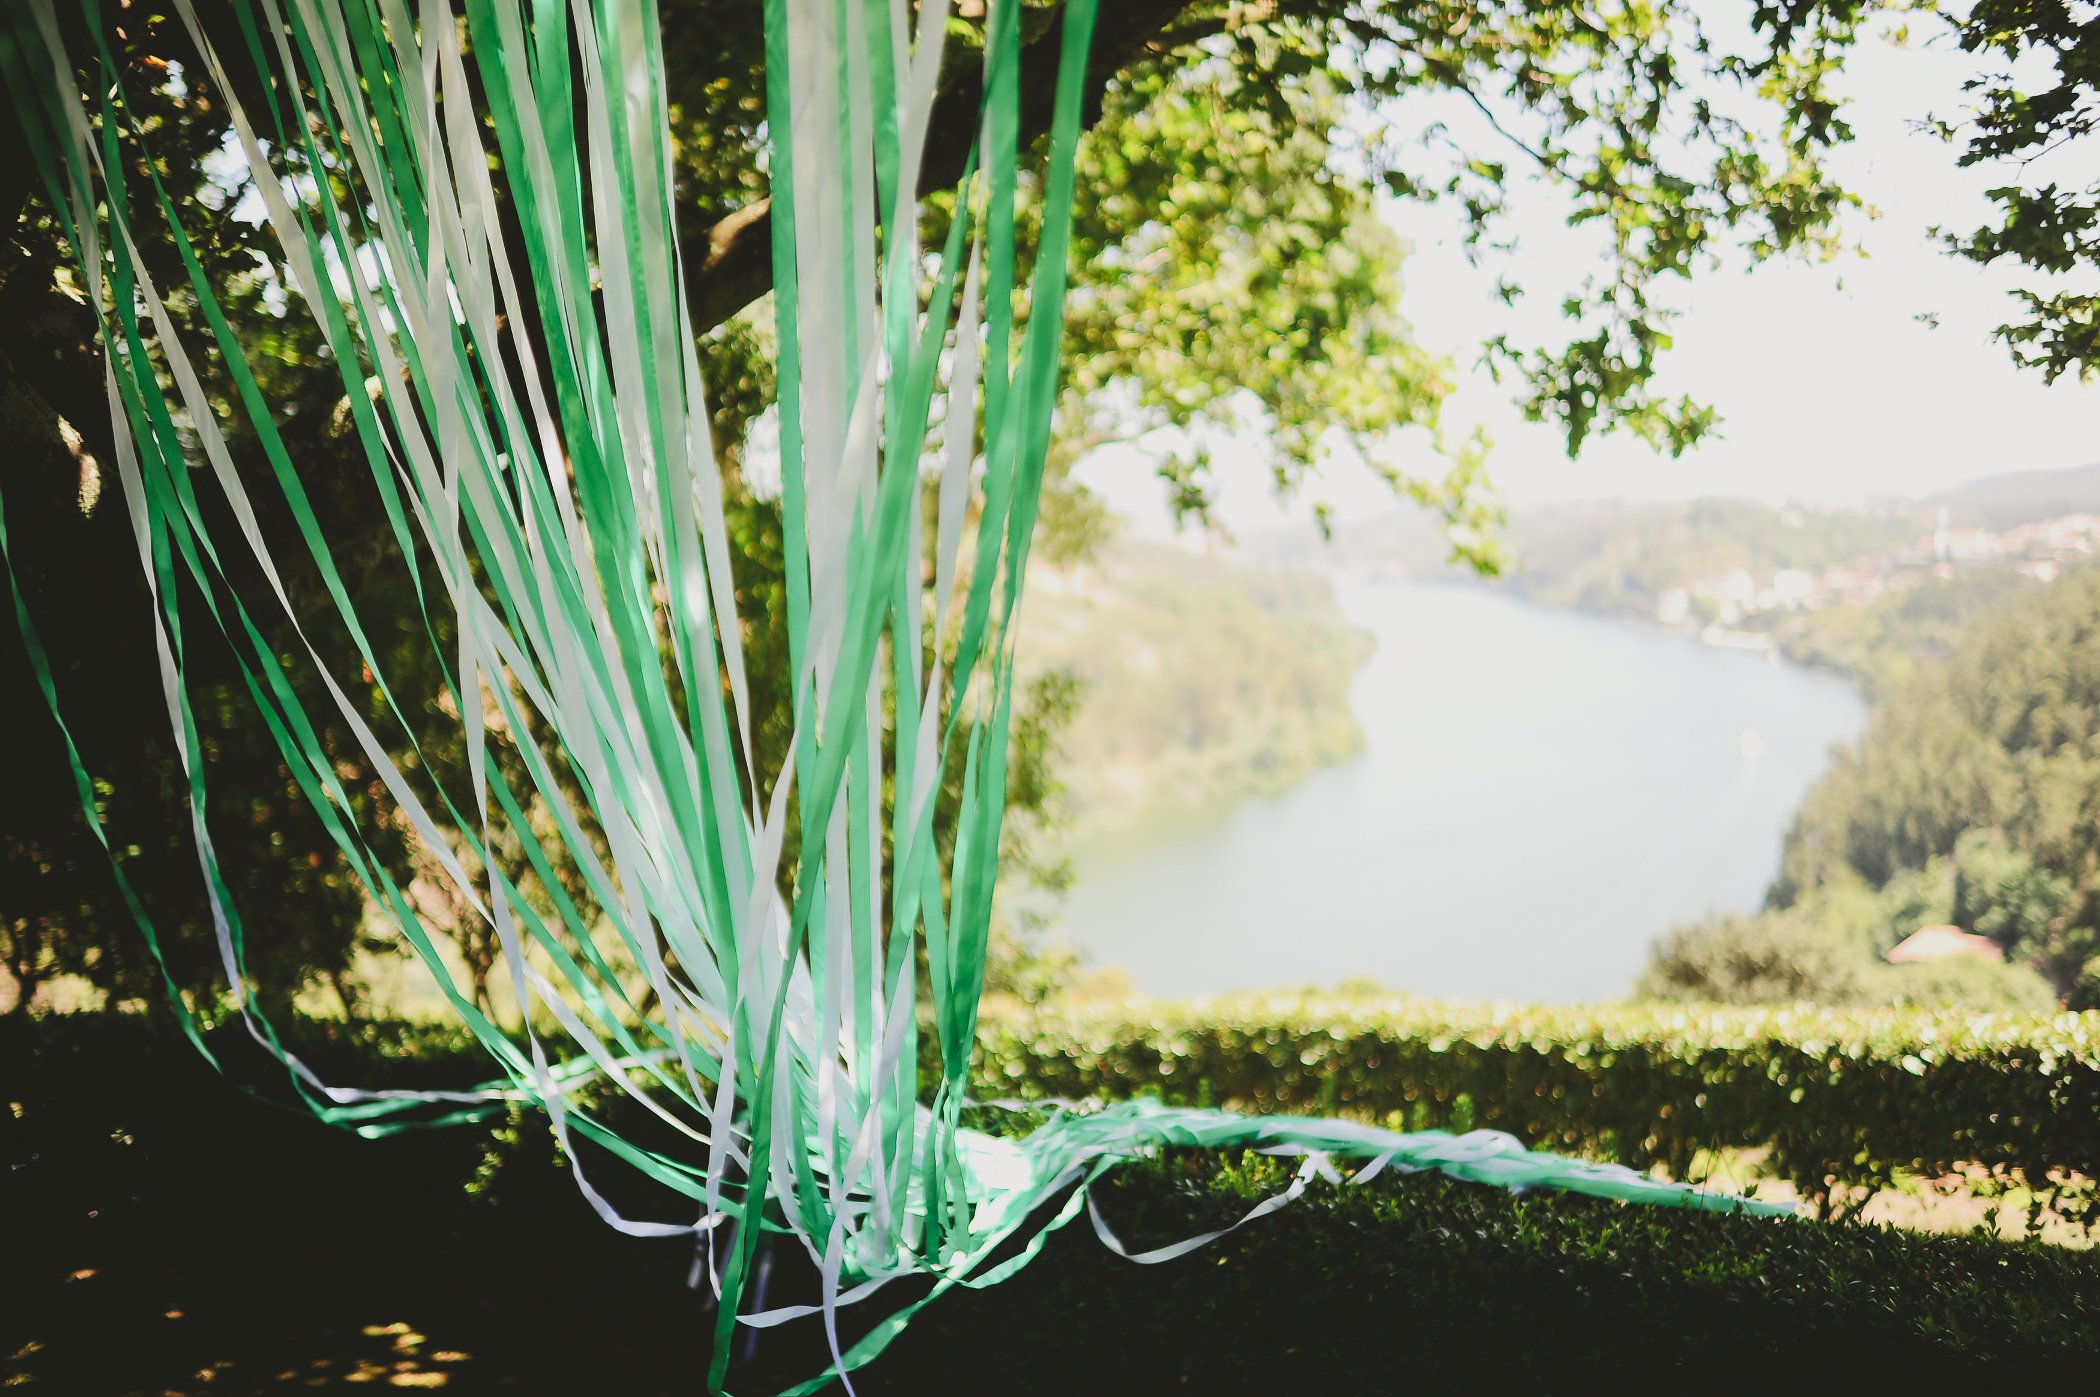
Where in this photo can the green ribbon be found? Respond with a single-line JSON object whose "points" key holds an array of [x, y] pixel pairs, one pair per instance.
{"points": [[563, 530]]}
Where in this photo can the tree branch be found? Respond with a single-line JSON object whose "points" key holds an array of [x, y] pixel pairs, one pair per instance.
{"points": [[730, 262]]}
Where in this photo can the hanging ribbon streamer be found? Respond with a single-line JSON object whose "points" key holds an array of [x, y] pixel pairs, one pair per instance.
{"points": [[521, 374]]}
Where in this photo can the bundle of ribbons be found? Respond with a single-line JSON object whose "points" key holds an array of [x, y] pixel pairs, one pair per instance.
{"points": [[477, 212]]}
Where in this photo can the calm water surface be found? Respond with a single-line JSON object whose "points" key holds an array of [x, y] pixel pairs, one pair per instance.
{"points": [[1542, 795]]}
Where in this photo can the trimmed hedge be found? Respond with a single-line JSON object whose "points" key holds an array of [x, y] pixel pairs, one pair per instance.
{"points": [[1410, 1281], [1840, 1101], [162, 1224]]}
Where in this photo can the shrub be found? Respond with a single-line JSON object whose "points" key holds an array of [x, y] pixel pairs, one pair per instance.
{"points": [[1968, 981], [1769, 959], [1418, 1283], [1839, 1101]]}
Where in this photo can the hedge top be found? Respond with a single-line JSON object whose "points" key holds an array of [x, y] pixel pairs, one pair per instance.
{"points": [[1577, 1030]]}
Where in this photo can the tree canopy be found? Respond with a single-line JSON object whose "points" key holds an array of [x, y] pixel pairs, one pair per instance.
{"points": [[2036, 94]]}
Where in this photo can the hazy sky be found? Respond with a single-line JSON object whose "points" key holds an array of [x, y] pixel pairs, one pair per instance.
{"points": [[1827, 383]]}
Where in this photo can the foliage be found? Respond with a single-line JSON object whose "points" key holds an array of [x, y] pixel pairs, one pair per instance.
{"points": [[1888, 641], [2000, 892], [1828, 948], [2038, 91], [1481, 1287], [1992, 761], [1773, 959], [59, 908], [1229, 266], [126, 1164], [1671, 131], [123, 1159], [1840, 1101], [1966, 982]]}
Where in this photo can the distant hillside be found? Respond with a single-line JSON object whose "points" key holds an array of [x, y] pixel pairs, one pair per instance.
{"points": [[1201, 679], [1873, 590], [2001, 501], [1883, 643], [1615, 553], [1620, 559], [1615, 556]]}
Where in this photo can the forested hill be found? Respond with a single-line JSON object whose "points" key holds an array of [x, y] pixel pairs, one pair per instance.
{"points": [[1973, 799], [1198, 679]]}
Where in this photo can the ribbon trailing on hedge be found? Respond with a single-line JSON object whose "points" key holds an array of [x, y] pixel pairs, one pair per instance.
{"points": [[477, 211]]}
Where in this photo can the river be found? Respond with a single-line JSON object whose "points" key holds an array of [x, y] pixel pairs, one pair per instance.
{"points": [[1541, 795]]}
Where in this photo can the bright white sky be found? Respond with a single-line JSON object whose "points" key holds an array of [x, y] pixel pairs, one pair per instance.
{"points": [[1827, 383]]}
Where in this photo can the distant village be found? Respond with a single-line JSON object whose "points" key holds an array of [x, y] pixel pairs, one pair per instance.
{"points": [[1726, 609]]}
